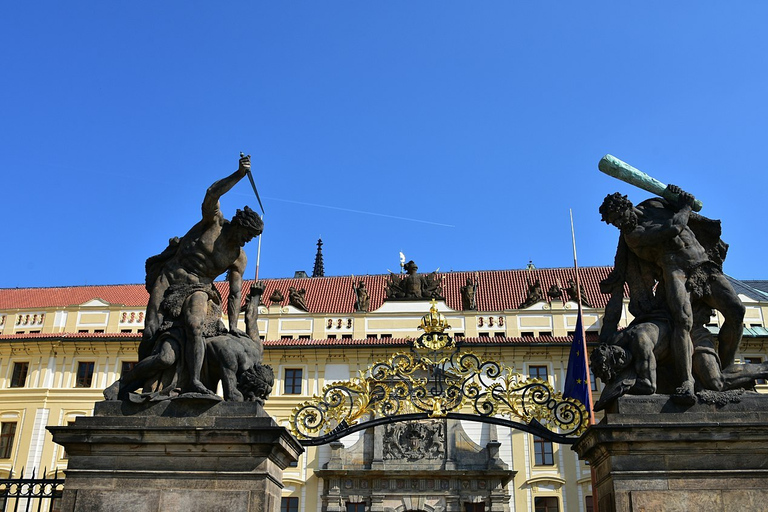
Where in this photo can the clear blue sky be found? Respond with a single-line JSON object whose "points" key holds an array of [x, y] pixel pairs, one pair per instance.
{"points": [[458, 132]]}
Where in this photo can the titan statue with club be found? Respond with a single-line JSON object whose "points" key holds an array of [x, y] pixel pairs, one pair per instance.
{"points": [[671, 258]]}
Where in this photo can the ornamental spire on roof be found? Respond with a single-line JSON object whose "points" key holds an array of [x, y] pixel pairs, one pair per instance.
{"points": [[319, 270]]}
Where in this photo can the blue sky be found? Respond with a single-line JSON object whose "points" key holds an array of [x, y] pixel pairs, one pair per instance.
{"points": [[458, 132]]}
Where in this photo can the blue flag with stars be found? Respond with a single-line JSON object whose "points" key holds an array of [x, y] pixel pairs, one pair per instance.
{"points": [[576, 377]]}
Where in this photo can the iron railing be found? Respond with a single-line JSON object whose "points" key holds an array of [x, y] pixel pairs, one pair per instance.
{"points": [[31, 493]]}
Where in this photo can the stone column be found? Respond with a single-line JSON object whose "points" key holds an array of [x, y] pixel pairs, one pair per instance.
{"points": [[182, 455], [652, 454]]}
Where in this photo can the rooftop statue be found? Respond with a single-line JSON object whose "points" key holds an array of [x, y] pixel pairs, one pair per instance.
{"points": [[573, 293], [671, 259], [184, 310], [297, 298], [534, 294], [469, 295], [362, 299], [414, 286]]}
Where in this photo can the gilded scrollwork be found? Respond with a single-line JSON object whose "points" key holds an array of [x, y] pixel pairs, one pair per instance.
{"points": [[438, 380]]}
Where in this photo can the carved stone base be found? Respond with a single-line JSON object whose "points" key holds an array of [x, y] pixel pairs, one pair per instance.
{"points": [[650, 454], [182, 455]]}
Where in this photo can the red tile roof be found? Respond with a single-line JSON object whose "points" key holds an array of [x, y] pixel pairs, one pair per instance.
{"points": [[296, 343], [498, 290], [71, 336], [30, 298]]}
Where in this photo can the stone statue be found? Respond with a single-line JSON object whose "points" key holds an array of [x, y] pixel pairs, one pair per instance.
{"points": [[235, 360], [573, 294], [297, 298], [639, 361], [184, 307], [671, 258], [414, 286], [362, 299], [468, 300], [276, 297], [555, 293], [535, 294]]}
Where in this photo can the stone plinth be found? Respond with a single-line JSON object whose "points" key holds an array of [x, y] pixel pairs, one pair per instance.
{"points": [[650, 454], [183, 455]]}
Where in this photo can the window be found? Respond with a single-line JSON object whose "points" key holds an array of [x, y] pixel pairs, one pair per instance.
{"points": [[7, 433], [289, 505], [126, 330], [355, 507], [346, 336], [304, 337], [383, 336], [286, 337], [474, 507], [34, 332], [19, 378], [545, 333], [543, 451], [592, 380], [84, 374], [459, 336], [98, 330], [548, 504], [126, 367], [292, 381], [755, 360], [499, 334], [538, 372], [484, 334], [331, 336], [370, 336], [82, 330], [527, 334], [588, 506]]}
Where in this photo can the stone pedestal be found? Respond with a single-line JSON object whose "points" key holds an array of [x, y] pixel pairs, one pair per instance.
{"points": [[184, 455], [650, 454]]}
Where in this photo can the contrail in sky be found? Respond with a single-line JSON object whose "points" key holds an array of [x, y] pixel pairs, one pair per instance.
{"points": [[362, 212]]}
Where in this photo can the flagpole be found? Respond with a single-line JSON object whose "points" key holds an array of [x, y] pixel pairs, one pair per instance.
{"points": [[586, 360], [583, 332]]}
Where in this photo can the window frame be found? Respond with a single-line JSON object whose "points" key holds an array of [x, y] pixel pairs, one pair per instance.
{"points": [[7, 439], [538, 367], [293, 380], [81, 364], [547, 506], [289, 504], [543, 450], [14, 376]]}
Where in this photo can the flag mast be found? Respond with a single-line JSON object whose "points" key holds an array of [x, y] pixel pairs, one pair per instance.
{"points": [[586, 360], [583, 333]]}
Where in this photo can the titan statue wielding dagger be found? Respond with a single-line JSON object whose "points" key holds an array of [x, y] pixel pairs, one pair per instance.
{"points": [[671, 258], [184, 307]]}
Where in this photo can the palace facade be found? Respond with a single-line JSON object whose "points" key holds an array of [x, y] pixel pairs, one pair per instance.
{"points": [[60, 347]]}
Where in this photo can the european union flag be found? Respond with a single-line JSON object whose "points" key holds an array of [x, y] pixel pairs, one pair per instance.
{"points": [[576, 378]]}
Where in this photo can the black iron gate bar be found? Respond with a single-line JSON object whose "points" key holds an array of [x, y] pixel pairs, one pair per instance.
{"points": [[44, 490]]}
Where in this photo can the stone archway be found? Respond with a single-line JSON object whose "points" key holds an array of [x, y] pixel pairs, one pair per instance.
{"points": [[422, 466]]}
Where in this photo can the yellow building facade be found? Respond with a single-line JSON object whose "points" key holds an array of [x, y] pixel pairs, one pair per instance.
{"points": [[60, 347]]}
